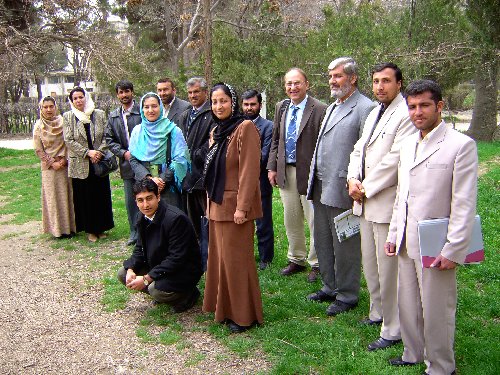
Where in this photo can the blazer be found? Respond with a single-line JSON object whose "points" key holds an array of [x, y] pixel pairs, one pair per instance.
{"points": [[440, 183], [167, 250], [339, 132], [306, 139], [117, 140], [381, 158], [76, 141], [241, 190], [177, 107], [265, 128]]}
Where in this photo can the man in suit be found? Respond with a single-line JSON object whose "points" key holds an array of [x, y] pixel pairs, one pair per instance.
{"points": [[166, 262], [339, 262], [174, 106], [295, 130], [437, 178], [372, 178], [252, 104], [120, 124], [196, 124]]}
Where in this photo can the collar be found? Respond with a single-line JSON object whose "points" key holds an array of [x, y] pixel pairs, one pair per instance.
{"points": [[301, 105], [430, 134], [129, 109], [152, 217], [339, 102]]}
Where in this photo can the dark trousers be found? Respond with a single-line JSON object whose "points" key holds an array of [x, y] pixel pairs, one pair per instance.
{"points": [[265, 230], [131, 207], [197, 207]]}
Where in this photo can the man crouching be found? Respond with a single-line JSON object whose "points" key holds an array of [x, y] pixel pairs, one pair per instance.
{"points": [[166, 260]]}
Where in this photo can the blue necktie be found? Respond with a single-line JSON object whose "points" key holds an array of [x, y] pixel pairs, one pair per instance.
{"points": [[291, 135], [192, 116]]}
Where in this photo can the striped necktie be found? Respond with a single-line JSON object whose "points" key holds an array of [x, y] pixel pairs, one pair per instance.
{"points": [[291, 135]]}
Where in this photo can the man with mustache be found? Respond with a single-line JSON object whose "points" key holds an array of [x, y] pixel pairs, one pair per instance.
{"points": [[174, 106]]}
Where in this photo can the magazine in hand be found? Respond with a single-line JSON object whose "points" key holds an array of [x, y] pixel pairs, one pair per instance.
{"points": [[346, 225]]}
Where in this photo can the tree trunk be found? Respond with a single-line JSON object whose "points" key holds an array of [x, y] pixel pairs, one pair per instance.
{"points": [[208, 42], [4, 117], [484, 115]]}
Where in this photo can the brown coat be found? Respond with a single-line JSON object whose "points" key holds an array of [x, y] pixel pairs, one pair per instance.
{"points": [[242, 189]]}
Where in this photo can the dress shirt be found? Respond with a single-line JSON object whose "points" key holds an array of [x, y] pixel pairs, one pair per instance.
{"points": [[301, 106], [125, 115]]}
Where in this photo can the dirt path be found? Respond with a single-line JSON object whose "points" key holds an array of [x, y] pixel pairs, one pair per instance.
{"points": [[52, 322]]}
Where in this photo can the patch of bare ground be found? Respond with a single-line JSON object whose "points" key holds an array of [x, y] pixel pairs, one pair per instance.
{"points": [[485, 166], [52, 321]]}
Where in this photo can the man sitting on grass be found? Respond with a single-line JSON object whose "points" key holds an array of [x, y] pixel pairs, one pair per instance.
{"points": [[166, 261]]}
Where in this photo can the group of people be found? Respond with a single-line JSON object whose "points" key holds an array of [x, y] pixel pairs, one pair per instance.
{"points": [[393, 164]]}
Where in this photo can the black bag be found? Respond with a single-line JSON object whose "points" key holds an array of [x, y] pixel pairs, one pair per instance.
{"points": [[106, 165], [204, 242]]}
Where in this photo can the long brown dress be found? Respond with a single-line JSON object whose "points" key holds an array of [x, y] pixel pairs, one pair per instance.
{"points": [[58, 216], [232, 285]]}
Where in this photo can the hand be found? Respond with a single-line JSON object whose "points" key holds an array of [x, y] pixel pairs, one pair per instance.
{"points": [[356, 190], [442, 263], [271, 175], [240, 217], [127, 155], [158, 181], [94, 156], [56, 165], [169, 175], [130, 276], [137, 283], [390, 249]]}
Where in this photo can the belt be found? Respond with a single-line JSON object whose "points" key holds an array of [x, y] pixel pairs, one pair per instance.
{"points": [[292, 164]]}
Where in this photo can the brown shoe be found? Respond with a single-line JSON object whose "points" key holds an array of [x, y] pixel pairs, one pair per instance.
{"points": [[292, 268], [313, 275]]}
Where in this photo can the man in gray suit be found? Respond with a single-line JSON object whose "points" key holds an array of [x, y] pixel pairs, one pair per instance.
{"points": [[174, 106], [339, 262], [296, 126], [120, 124]]}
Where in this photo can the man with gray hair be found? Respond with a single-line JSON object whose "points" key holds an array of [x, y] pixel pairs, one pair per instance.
{"points": [[339, 262], [196, 124]]}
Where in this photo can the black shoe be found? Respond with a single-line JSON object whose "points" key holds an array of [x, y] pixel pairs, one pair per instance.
{"points": [[398, 361], [370, 322], [382, 343], [320, 296], [339, 307], [188, 302], [264, 265], [236, 328], [292, 268], [131, 241], [313, 275]]}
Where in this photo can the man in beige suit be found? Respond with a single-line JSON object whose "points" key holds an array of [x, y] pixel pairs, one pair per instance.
{"points": [[372, 178], [437, 178]]}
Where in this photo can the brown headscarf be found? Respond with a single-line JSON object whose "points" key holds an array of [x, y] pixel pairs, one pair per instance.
{"points": [[51, 132]]}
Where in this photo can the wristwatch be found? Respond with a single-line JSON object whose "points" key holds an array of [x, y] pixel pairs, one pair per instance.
{"points": [[146, 282]]}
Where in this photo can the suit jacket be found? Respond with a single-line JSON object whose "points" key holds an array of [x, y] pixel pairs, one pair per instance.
{"points": [[76, 141], [381, 158], [241, 190], [167, 249], [117, 140], [265, 128], [440, 183], [339, 132], [177, 107], [306, 139], [197, 140]]}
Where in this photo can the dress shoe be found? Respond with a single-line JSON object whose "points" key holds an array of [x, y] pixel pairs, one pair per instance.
{"points": [[370, 322], [313, 275], [292, 268], [339, 307], [320, 296], [382, 343], [92, 237], [102, 236], [188, 302], [131, 241], [236, 328], [398, 361], [264, 265]]}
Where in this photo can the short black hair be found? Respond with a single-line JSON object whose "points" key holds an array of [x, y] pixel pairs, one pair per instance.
{"points": [[251, 94], [73, 90], [167, 80], [424, 85], [124, 85], [145, 185], [151, 95], [398, 73], [49, 99]]}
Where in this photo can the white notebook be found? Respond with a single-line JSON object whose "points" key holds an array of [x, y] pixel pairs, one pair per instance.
{"points": [[346, 225], [432, 238]]}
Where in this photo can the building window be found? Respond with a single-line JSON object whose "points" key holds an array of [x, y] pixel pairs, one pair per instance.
{"points": [[53, 80], [89, 89], [70, 79]]}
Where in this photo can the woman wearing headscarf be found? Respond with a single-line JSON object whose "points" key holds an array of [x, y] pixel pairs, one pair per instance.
{"points": [[159, 150], [84, 136], [231, 177], [58, 216]]}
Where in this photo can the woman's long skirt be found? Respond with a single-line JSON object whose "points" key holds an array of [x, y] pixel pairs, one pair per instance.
{"points": [[232, 286], [92, 199], [58, 215]]}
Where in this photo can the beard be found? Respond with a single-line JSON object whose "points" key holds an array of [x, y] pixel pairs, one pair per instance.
{"points": [[251, 116], [341, 91]]}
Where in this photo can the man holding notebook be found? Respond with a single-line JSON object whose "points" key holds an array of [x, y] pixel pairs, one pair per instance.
{"points": [[437, 178]]}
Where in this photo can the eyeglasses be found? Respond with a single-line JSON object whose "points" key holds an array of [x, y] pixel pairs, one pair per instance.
{"points": [[292, 84]]}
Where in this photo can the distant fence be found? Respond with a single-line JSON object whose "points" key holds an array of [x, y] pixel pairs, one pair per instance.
{"points": [[19, 118]]}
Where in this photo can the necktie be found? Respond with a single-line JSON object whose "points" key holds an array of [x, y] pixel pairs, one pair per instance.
{"points": [[291, 135], [379, 116], [192, 116]]}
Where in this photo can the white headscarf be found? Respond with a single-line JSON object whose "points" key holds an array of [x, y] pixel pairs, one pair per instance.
{"points": [[87, 110]]}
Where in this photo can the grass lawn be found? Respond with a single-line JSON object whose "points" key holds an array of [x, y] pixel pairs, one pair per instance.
{"points": [[297, 337]]}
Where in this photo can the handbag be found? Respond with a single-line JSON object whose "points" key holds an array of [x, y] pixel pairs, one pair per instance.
{"points": [[106, 165]]}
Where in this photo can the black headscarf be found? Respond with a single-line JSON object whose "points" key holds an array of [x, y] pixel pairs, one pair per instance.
{"points": [[214, 172]]}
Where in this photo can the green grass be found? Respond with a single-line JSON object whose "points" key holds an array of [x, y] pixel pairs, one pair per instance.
{"points": [[296, 337]]}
